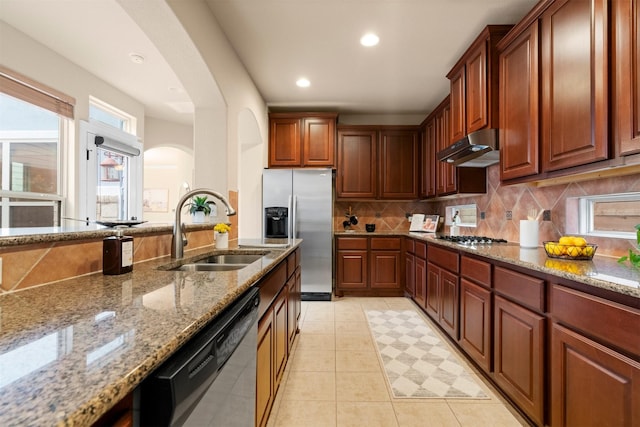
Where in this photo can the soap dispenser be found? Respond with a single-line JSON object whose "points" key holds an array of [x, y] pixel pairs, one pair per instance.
{"points": [[117, 254]]}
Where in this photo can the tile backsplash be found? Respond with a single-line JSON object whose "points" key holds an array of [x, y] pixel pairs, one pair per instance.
{"points": [[495, 204]]}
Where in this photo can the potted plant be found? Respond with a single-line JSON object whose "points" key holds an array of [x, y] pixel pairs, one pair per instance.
{"points": [[199, 208], [221, 232], [633, 258]]}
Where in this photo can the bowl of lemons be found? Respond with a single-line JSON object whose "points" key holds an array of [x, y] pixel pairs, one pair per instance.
{"points": [[570, 247]]}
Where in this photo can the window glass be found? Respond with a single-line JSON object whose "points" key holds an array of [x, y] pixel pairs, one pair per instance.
{"points": [[606, 215], [113, 185], [106, 118], [29, 164]]}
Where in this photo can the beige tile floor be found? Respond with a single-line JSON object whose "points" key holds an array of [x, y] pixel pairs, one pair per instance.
{"points": [[334, 378]]}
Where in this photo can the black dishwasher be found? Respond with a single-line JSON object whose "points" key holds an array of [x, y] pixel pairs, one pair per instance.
{"points": [[210, 381]]}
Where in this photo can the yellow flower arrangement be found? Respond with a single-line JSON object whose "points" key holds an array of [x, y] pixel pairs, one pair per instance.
{"points": [[221, 227]]}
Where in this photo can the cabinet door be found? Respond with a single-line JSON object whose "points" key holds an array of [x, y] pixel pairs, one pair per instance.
{"points": [[519, 111], [352, 269], [298, 296], [591, 385], [356, 170], [458, 109], [519, 356], [626, 70], [319, 142], [410, 274], [432, 295], [429, 161], [281, 341], [264, 369], [449, 303], [574, 83], [284, 142], [476, 89], [421, 281], [446, 180], [475, 323], [399, 164], [385, 270], [292, 319]]}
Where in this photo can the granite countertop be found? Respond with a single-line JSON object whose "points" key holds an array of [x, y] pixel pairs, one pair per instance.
{"points": [[602, 272], [72, 349]]}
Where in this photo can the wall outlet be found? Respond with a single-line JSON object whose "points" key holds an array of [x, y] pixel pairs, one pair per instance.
{"points": [[483, 215], [546, 215], [509, 215]]}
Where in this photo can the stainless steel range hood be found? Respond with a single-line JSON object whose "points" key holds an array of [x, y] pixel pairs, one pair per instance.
{"points": [[478, 149]]}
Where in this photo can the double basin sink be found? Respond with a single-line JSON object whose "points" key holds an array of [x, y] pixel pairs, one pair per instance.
{"points": [[223, 262]]}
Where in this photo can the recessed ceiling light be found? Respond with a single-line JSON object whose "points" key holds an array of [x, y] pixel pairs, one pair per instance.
{"points": [[369, 39], [136, 58], [302, 82]]}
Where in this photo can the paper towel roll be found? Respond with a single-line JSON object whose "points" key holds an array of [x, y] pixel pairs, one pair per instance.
{"points": [[528, 233]]}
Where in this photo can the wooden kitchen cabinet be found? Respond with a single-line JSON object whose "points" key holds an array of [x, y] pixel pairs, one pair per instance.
{"points": [[369, 266], [519, 108], [409, 267], [519, 340], [474, 85], [378, 162], [625, 61], [265, 378], [399, 164], [595, 365], [446, 182], [574, 45], [475, 311], [420, 274], [429, 164], [281, 344], [302, 139], [442, 289]]}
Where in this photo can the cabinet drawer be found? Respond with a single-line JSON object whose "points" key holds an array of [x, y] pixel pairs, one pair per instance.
{"points": [[385, 243], [444, 258], [421, 250], [476, 270], [291, 264], [524, 289], [271, 286], [614, 323], [352, 243]]}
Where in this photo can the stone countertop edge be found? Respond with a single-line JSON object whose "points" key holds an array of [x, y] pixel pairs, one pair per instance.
{"points": [[602, 272], [58, 234], [70, 390]]}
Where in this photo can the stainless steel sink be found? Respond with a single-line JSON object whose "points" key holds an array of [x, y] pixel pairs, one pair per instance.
{"points": [[209, 267], [243, 259]]}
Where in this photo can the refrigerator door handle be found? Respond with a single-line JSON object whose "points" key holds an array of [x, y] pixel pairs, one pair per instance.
{"points": [[290, 216], [294, 225]]}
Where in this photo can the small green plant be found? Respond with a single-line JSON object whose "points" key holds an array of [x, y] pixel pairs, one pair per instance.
{"points": [[198, 204], [633, 258]]}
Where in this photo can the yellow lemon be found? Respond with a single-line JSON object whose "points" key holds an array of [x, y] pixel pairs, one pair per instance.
{"points": [[566, 240], [574, 251], [579, 241], [587, 251]]}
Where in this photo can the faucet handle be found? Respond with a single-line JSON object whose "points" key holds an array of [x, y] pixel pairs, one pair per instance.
{"points": [[183, 228]]}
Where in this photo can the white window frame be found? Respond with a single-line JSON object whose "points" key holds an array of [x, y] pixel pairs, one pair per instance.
{"points": [[584, 208], [129, 122], [116, 140]]}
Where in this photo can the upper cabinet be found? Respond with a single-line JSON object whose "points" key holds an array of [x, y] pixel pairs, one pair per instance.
{"points": [[378, 162], [574, 41], [625, 60], [302, 139], [570, 97], [474, 85]]}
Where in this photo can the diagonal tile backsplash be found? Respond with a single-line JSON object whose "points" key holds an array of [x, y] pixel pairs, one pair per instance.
{"points": [[519, 199]]}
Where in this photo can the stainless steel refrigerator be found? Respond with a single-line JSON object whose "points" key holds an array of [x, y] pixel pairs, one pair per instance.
{"points": [[298, 203]]}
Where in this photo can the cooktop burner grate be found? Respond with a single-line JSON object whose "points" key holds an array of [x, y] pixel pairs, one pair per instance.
{"points": [[472, 240]]}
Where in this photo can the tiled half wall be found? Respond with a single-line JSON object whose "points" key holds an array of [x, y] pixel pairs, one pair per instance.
{"points": [[519, 199]]}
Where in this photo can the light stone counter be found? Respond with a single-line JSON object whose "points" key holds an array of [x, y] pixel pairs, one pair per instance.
{"points": [[602, 272], [72, 349]]}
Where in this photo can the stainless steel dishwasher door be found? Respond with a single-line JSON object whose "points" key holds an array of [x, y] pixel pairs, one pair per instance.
{"points": [[211, 380]]}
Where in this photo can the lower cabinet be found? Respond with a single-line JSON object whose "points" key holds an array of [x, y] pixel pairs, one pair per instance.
{"points": [[369, 266], [442, 289], [595, 361], [280, 308], [475, 322]]}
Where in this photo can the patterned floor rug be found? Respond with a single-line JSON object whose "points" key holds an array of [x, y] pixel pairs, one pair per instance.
{"points": [[418, 364]]}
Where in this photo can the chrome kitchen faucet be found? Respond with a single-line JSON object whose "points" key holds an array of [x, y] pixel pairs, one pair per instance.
{"points": [[178, 241]]}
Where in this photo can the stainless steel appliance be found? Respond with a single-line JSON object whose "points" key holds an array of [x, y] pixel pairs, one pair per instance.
{"points": [[308, 196], [478, 149], [211, 380]]}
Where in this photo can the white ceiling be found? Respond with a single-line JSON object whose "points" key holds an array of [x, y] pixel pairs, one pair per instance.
{"points": [[279, 41]]}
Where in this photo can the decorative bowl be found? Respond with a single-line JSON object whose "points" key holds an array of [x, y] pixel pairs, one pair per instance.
{"points": [[570, 252]]}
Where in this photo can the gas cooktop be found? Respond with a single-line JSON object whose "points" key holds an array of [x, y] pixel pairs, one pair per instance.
{"points": [[471, 240]]}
